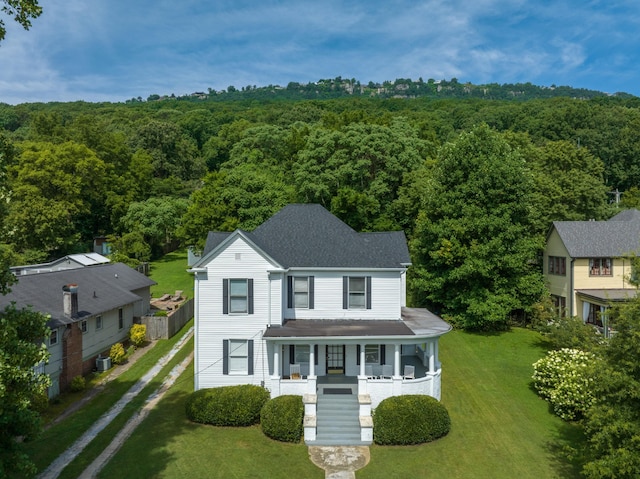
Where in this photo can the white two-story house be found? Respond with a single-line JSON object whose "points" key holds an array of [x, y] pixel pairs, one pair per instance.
{"points": [[304, 301]]}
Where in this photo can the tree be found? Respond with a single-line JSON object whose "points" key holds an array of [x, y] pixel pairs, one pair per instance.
{"points": [[473, 250], [156, 220], [22, 12], [21, 350], [612, 425], [58, 197]]}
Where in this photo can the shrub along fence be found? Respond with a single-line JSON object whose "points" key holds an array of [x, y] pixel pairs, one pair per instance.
{"points": [[164, 327]]}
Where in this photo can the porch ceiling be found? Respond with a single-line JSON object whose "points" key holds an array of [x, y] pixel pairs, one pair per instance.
{"points": [[415, 322]]}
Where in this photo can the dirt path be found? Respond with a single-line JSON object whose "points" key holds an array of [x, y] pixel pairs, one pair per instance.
{"points": [[58, 465]]}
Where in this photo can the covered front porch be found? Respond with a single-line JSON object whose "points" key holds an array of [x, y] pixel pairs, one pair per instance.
{"points": [[378, 358]]}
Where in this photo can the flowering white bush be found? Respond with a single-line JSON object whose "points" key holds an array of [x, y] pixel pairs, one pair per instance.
{"points": [[564, 378]]}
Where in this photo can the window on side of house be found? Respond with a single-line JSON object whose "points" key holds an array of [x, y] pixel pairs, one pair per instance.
{"points": [[83, 326], [301, 353], [600, 267], [560, 305], [372, 353], [237, 356], [120, 318], [356, 292], [595, 316], [237, 296], [98, 323], [557, 265], [53, 337], [300, 292]]}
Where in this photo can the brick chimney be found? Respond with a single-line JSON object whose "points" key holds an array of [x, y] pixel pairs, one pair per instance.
{"points": [[70, 300]]}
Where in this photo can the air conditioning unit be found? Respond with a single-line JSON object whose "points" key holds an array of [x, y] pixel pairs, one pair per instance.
{"points": [[103, 364]]}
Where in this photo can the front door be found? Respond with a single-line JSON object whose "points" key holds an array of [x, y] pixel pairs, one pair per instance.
{"points": [[335, 359]]}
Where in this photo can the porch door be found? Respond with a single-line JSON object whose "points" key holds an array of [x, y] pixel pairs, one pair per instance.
{"points": [[335, 358]]}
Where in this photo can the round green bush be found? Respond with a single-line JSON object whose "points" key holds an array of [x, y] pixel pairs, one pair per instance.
{"points": [[410, 419], [281, 418], [228, 405]]}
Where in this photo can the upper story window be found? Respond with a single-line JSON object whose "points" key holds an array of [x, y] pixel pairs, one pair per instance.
{"points": [[356, 292], [558, 265], [83, 326], [300, 292], [600, 267], [53, 337], [237, 296], [98, 323]]}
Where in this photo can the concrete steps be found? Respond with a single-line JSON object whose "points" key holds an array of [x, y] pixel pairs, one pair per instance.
{"points": [[338, 422]]}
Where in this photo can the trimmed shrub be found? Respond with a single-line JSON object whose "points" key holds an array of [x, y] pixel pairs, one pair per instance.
{"points": [[117, 353], [78, 384], [137, 334], [565, 378], [228, 405], [410, 419], [281, 418]]}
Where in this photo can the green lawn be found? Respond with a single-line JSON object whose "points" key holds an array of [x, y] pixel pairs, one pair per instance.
{"points": [[500, 428], [59, 437], [170, 272]]}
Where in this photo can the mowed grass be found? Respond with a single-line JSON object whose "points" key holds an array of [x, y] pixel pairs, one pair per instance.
{"points": [[500, 428], [167, 445], [55, 440], [170, 272]]}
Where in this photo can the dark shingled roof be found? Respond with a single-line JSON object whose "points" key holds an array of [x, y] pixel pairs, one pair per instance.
{"points": [[112, 284], [592, 239], [307, 235]]}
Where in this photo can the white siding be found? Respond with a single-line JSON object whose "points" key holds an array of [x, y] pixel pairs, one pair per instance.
{"points": [[237, 260], [386, 296], [96, 341]]}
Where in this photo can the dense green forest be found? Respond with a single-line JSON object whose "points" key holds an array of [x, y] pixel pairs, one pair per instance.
{"points": [[474, 182]]}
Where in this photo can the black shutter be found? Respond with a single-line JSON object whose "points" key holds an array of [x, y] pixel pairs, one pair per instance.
{"points": [[225, 296], [315, 354], [225, 356], [358, 355], [250, 357], [311, 295], [250, 296], [290, 292], [292, 354], [383, 352], [345, 292], [368, 292]]}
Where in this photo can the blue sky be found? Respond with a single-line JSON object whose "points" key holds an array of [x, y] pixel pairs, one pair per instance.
{"points": [[113, 50]]}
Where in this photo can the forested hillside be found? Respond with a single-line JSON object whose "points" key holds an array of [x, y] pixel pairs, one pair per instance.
{"points": [[451, 173]]}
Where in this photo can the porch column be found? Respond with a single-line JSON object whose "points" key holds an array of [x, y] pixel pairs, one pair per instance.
{"points": [[436, 354], [312, 360], [362, 360], [276, 359], [396, 360], [432, 356]]}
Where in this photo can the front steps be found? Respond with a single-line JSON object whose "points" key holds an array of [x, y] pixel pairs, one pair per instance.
{"points": [[338, 421]]}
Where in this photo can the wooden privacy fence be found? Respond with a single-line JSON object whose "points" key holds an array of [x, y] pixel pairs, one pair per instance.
{"points": [[164, 327]]}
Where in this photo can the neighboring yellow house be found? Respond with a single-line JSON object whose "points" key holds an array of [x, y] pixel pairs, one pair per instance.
{"points": [[586, 264]]}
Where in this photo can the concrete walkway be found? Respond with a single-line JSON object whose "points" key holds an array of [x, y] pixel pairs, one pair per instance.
{"points": [[57, 466], [339, 462]]}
